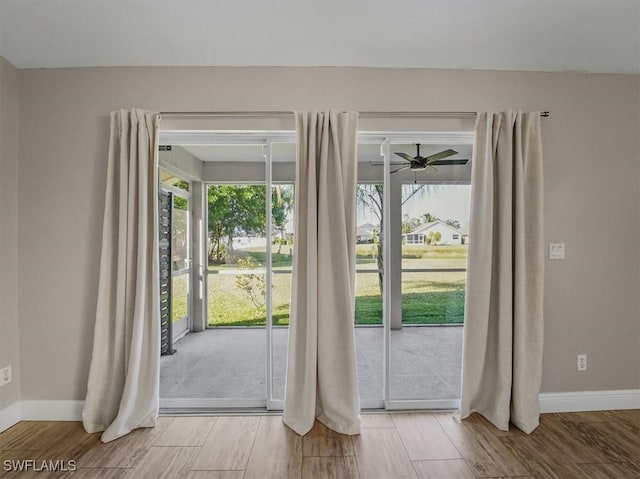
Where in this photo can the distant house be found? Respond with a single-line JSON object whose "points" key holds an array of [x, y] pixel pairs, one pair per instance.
{"points": [[367, 232], [465, 234], [449, 235]]}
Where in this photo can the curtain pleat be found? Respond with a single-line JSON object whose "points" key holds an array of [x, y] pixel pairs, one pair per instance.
{"points": [[503, 333], [321, 365], [124, 377]]}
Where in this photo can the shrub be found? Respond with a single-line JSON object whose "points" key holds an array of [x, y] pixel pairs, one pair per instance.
{"points": [[253, 285]]}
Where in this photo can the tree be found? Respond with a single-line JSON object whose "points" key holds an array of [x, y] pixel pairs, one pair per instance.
{"points": [[410, 224], [241, 209], [428, 218], [253, 285], [370, 198], [233, 209], [434, 237], [454, 223], [281, 204]]}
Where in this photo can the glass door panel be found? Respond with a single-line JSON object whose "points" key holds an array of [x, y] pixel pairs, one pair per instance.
{"points": [[282, 208], [236, 289], [282, 157], [181, 266], [369, 332], [426, 344]]}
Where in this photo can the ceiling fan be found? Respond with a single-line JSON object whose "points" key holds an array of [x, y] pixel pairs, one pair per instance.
{"points": [[418, 163]]}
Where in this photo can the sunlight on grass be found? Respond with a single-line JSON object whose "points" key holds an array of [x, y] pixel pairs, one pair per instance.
{"points": [[427, 298]]}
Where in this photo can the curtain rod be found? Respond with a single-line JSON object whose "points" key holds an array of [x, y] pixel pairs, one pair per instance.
{"points": [[370, 114]]}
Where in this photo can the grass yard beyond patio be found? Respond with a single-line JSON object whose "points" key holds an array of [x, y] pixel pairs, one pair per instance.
{"points": [[427, 297]]}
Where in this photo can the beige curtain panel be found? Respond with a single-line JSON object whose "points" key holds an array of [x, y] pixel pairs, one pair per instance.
{"points": [[503, 333], [321, 365], [123, 388]]}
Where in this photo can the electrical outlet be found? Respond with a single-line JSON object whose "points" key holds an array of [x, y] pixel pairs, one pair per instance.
{"points": [[5, 375], [582, 362]]}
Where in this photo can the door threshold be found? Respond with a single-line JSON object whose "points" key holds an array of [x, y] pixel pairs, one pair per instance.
{"points": [[197, 411]]}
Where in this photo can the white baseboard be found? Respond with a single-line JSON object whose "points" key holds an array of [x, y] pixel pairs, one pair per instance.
{"points": [[549, 402], [52, 410], [590, 400], [10, 416]]}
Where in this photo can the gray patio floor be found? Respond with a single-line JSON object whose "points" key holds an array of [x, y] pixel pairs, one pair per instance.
{"points": [[229, 363]]}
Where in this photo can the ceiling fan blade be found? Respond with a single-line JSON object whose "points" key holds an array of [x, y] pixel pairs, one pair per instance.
{"points": [[401, 169], [441, 155], [405, 156], [381, 163], [449, 162]]}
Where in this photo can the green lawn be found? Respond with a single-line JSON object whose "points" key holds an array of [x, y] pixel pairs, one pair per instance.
{"points": [[180, 290], [412, 257], [427, 298], [229, 306], [281, 260]]}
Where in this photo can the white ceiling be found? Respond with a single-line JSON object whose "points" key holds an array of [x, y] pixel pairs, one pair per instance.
{"points": [[544, 35]]}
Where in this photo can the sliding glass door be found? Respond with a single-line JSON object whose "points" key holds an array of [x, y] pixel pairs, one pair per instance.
{"points": [[410, 272]]}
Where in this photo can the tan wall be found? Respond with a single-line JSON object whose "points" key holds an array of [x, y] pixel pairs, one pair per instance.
{"points": [[591, 192], [9, 332], [637, 135]]}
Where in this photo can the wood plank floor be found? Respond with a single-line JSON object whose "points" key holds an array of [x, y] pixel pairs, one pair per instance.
{"points": [[415, 445]]}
